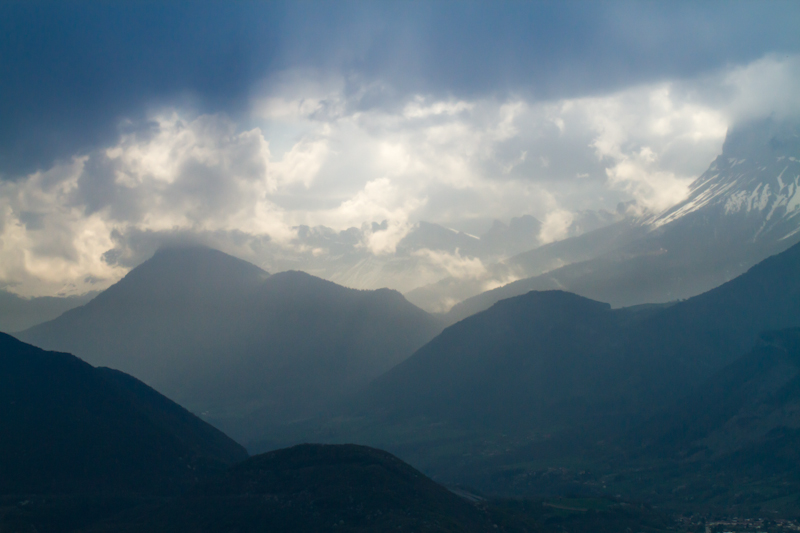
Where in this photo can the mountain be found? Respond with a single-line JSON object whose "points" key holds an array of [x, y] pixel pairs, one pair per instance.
{"points": [[319, 488], [71, 428], [744, 208], [579, 248], [540, 394], [754, 185], [730, 446], [512, 365], [241, 347], [591, 234], [754, 399], [176, 303], [553, 361], [550, 258], [17, 313]]}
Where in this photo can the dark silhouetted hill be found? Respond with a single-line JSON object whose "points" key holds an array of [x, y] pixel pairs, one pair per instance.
{"points": [[319, 488], [68, 427], [519, 364]]}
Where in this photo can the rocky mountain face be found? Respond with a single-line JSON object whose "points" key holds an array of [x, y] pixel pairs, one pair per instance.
{"points": [[752, 190]]}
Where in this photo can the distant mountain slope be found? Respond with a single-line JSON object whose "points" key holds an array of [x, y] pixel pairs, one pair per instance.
{"points": [[242, 348], [320, 488], [17, 313], [555, 257], [72, 428], [554, 360], [604, 231], [744, 208], [149, 323], [579, 248]]}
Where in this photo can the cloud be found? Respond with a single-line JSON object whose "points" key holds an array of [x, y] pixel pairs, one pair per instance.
{"points": [[63, 247], [454, 264], [556, 225], [767, 87], [315, 150], [71, 71]]}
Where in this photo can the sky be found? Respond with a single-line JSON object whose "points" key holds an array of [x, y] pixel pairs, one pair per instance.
{"points": [[131, 123]]}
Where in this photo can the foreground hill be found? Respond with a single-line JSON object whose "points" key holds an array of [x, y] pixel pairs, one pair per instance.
{"points": [[243, 348], [320, 488], [71, 428]]}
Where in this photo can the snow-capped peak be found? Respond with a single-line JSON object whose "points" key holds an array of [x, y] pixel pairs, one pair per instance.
{"points": [[756, 178]]}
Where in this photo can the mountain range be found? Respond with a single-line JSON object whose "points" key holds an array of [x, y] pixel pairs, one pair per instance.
{"points": [[554, 393], [690, 402], [241, 347], [92, 450], [545, 358]]}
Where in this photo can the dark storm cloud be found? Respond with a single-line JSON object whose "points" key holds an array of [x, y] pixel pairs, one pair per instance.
{"points": [[72, 70]]}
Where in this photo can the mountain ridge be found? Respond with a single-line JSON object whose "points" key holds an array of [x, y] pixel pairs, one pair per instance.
{"points": [[553, 361], [241, 347]]}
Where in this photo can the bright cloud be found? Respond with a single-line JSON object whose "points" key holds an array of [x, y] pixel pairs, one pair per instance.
{"points": [[323, 153], [454, 264]]}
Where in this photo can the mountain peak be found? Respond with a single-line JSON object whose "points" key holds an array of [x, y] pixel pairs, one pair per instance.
{"points": [[754, 183], [198, 258], [192, 270]]}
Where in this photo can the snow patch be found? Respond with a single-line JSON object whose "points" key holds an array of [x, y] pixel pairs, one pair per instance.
{"points": [[735, 202], [794, 202]]}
